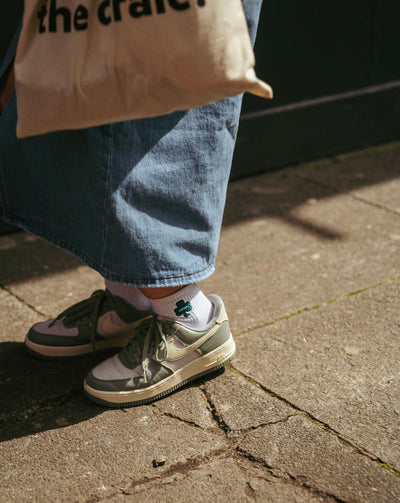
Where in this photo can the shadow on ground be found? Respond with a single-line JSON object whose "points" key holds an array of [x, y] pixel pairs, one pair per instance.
{"points": [[282, 193], [31, 387], [44, 258], [39, 395], [277, 196]]}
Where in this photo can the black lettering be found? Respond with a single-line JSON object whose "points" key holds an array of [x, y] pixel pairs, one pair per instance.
{"points": [[81, 17], [117, 10], [160, 6], [139, 9], [61, 11], [101, 13], [41, 15], [175, 4]]}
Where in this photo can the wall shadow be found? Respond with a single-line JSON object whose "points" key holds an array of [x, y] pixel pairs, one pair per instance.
{"points": [[272, 195], [280, 194]]}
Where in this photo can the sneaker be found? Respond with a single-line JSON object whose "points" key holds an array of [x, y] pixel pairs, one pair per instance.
{"points": [[163, 356], [103, 321]]}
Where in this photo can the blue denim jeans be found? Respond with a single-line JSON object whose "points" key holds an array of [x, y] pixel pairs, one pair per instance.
{"points": [[139, 201]]}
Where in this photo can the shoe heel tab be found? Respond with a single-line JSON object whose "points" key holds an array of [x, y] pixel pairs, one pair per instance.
{"points": [[222, 315]]}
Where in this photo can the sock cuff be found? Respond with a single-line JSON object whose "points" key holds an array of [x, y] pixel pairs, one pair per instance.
{"points": [[188, 305], [131, 294], [187, 294]]}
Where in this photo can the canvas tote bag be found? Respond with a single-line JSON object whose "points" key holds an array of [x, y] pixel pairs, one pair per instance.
{"points": [[83, 63]]}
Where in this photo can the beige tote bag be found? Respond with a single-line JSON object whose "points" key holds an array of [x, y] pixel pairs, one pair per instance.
{"points": [[83, 63]]}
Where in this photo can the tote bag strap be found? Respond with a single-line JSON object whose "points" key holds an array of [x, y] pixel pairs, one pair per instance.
{"points": [[12, 49]]}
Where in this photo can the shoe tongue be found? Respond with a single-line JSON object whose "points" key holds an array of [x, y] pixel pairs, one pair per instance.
{"points": [[166, 323], [127, 360], [131, 355], [107, 304]]}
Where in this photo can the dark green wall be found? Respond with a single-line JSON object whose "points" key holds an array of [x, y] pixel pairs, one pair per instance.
{"points": [[335, 70]]}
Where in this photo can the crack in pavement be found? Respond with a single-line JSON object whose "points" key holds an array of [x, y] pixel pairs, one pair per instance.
{"points": [[178, 418], [241, 432], [320, 424], [20, 299], [317, 306], [181, 470], [184, 468], [232, 441], [353, 195], [292, 479], [214, 413], [375, 204]]}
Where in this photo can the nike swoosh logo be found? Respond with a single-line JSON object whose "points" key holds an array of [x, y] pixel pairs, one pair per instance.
{"points": [[175, 353], [109, 327]]}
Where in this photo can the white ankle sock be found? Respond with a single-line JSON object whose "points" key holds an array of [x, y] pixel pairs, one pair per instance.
{"points": [[131, 294], [188, 305]]}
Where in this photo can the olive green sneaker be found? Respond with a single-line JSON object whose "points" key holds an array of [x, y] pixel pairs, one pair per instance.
{"points": [[163, 356], [103, 321]]}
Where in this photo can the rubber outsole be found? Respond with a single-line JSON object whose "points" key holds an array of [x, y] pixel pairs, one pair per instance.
{"points": [[211, 362]]}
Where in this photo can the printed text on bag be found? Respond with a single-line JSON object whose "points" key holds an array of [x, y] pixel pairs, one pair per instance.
{"points": [[108, 11]]}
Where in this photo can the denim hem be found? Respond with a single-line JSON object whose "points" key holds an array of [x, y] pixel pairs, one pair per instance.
{"points": [[172, 279]]}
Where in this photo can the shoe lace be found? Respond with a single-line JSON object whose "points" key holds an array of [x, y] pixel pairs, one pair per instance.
{"points": [[151, 338], [88, 308]]}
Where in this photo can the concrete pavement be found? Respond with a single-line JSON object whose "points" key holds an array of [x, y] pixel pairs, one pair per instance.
{"points": [[308, 411]]}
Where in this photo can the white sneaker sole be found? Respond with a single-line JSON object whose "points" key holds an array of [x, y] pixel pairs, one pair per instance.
{"points": [[54, 352], [203, 365]]}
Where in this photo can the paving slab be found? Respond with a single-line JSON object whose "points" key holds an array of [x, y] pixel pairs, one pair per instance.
{"points": [[289, 244], [373, 175], [81, 452], [16, 318], [221, 480], [341, 364], [190, 405], [240, 404], [42, 275], [309, 453]]}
